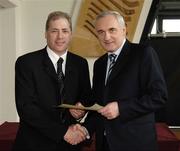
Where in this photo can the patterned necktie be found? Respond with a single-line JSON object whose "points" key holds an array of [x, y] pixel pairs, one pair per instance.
{"points": [[60, 76], [112, 59]]}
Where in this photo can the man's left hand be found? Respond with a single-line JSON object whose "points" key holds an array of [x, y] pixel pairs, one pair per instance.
{"points": [[110, 111], [77, 114]]}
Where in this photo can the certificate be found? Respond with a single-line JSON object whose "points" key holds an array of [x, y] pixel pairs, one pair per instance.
{"points": [[94, 107]]}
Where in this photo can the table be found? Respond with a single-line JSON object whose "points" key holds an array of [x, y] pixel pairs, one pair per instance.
{"points": [[7, 135], [168, 140]]}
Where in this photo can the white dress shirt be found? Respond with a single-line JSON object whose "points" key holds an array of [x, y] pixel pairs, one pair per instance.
{"points": [[54, 58]]}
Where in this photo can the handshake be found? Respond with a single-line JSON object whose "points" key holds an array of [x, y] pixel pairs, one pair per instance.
{"points": [[76, 134]]}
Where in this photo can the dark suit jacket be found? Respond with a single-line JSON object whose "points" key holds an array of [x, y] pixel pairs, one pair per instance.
{"points": [[37, 96], [137, 83]]}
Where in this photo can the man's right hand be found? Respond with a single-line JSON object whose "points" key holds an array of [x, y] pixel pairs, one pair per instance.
{"points": [[75, 134]]}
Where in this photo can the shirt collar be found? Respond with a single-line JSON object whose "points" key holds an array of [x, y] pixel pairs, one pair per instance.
{"points": [[117, 52], [54, 57]]}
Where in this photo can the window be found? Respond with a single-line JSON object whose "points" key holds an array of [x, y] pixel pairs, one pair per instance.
{"points": [[167, 20], [171, 25], [154, 28]]}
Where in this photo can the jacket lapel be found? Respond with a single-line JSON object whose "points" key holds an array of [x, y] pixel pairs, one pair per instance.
{"points": [[48, 66], [71, 75], [104, 68], [69, 70], [120, 62]]}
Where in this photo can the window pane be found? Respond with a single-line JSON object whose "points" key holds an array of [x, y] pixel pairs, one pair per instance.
{"points": [[171, 25], [153, 31]]}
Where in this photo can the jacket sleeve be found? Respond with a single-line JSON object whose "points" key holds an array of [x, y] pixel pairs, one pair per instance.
{"points": [[153, 88]]}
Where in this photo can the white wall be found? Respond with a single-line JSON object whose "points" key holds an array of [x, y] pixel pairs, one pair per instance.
{"points": [[7, 59], [33, 17]]}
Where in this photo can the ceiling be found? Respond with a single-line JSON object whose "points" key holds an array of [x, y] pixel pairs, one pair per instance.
{"points": [[169, 7], [6, 4]]}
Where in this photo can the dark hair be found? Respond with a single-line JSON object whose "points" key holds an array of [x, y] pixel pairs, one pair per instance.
{"points": [[56, 15]]}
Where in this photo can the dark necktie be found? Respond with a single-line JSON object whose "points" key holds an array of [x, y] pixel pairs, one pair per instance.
{"points": [[112, 59], [60, 76]]}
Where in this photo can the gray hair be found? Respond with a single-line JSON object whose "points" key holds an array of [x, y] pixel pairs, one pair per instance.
{"points": [[116, 14], [56, 15]]}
